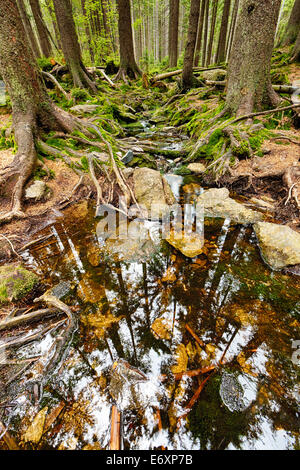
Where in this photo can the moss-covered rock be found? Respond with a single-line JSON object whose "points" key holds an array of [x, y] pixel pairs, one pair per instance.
{"points": [[15, 282]]}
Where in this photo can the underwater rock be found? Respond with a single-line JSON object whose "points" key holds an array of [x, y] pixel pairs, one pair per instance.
{"points": [[217, 203], [189, 245], [279, 244], [15, 282], [232, 393], [36, 191], [135, 244], [152, 191]]}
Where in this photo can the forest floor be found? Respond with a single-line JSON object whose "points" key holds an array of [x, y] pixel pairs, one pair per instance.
{"points": [[260, 176]]}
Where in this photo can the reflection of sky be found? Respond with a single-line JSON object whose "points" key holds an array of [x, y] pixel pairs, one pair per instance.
{"points": [[153, 361]]}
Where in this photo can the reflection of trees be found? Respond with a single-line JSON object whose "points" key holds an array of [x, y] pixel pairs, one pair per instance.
{"points": [[204, 296]]}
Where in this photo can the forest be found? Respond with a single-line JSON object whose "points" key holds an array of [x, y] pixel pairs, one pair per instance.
{"points": [[149, 225]]}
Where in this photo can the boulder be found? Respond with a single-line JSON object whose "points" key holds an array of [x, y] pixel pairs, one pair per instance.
{"points": [[190, 245], [152, 191], [279, 244], [217, 75], [15, 282], [36, 191], [197, 168], [217, 203]]}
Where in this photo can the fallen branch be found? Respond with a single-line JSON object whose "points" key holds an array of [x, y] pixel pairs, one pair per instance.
{"points": [[192, 401], [187, 373], [163, 76], [199, 341], [57, 84], [16, 321]]}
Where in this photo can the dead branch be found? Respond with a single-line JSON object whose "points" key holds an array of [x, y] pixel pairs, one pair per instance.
{"points": [[57, 84], [16, 321]]}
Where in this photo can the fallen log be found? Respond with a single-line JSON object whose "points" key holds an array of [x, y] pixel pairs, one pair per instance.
{"points": [[163, 76], [287, 89], [16, 321]]}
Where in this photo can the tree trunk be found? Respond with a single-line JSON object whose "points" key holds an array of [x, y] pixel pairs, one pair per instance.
{"points": [[232, 28], [28, 29], [296, 51], [199, 34], [31, 106], [41, 28], [70, 45], [249, 85], [87, 31], [212, 31], [205, 34], [293, 25], [54, 23], [128, 66], [173, 32], [221, 52], [187, 74]]}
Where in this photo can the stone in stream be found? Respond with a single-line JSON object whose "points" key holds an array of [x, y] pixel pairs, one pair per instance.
{"points": [[217, 203], [152, 191], [279, 244], [190, 245], [232, 393], [197, 168], [15, 282]]}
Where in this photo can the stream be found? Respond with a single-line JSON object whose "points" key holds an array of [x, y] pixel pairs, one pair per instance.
{"points": [[224, 312]]}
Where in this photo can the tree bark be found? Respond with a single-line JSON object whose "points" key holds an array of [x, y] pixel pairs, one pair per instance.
{"points": [[221, 52], [128, 66], [70, 45], [205, 34], [293, 25], [296, 51], [173, 32], [87, 31], [28, 29], [199, 33], [187, 74], [249, 85], [212, 31], [32, 108], [232, 28], [54, 23], [41, 28]]}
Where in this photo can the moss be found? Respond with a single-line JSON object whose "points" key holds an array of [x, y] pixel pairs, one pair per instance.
{"points": [[80, 95], [15, 282], [242, 150]]}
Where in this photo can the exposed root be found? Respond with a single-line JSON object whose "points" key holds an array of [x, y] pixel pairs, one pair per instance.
{"points": [[21, 167], [57, 84], [131, 72]]}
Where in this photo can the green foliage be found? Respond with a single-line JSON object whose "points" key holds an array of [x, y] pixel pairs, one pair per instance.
{"points": [[45, 63], [80, 94], [39, 173]]}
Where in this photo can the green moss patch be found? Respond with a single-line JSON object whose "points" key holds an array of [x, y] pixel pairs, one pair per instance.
{"points": [[15, 282]]}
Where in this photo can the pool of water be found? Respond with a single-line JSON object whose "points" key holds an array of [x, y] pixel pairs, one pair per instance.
{"points": [[187, 324]]}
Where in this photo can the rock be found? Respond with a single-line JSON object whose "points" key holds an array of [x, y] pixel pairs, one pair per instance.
{"points": [[15, 282], [217, 75], [279, 244], [61, 290], [128, 157], [197, 168], [136, 246], [152, 191], [36, 191], [189, 245], [217, 203]]}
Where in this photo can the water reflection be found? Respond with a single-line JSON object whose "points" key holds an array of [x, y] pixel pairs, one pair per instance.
{"points": [[223, 312]]}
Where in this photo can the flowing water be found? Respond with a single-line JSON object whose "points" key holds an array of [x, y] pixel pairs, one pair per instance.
{"points": [[224, 312]]}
